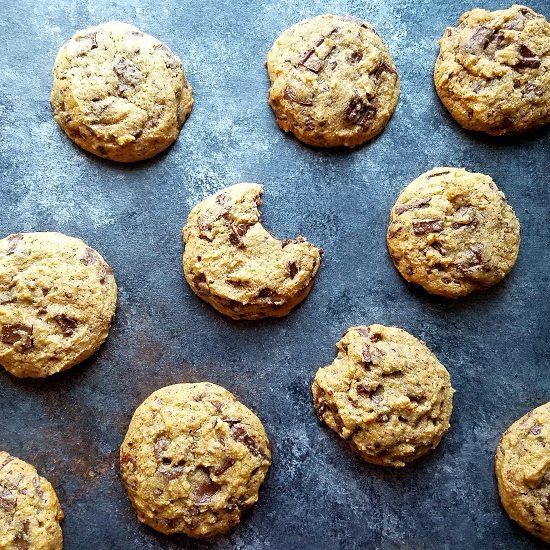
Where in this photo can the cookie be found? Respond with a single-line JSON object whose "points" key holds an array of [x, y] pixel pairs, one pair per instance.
{"points": [[452, 232], [119, 93], [523, 471], [29, 509], [237, 266], [333, 81], [493, 70], [57, 299], [386, 394], [193, 460]]}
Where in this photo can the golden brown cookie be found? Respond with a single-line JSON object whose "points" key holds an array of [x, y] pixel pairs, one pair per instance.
{"points": [[333, 81], [386, 394], [237, 266], [119, 93], [57, 299], [453, 232], [493, 70], [29, 509], [523, 471], [193, 460]]}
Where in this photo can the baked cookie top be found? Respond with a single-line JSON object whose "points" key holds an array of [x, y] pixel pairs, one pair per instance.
{"points": [[493, 70], [57, 299], [119, 93], [523, 471], [193, 460], [29, 509], [333, 81], [453, 232], [386, 394], [233, 263]]}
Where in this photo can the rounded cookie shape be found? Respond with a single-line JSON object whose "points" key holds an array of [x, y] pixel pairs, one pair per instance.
{"points": [[386, 394], [193, 460], [523, 471], [119, 93], [493, 70], [333, 81], [452, 232], [234, 264], [29, 509], [57, 299]]}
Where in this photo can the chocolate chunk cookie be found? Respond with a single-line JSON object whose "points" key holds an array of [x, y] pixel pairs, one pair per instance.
{"points": [[237, 266], [333, 81], [193, 460], [453, 232], [29, 509], [119, 93], [523, 471], [493, 70], [386, 394], [57, 299]]}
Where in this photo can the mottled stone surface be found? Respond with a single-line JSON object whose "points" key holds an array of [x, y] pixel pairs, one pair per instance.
{"points": [[317, 494]]}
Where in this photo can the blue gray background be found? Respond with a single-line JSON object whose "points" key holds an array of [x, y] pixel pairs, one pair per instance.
{"points": [[317, 494]]}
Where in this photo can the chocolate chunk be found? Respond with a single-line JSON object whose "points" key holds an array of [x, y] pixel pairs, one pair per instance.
{"points": [[437, 246], [127, 72], [480, 39], [170, 471], [6, 298], [291, 96], [160, 446], [225, 465], [18, 332], [366, 355], [7, 501], [93, 37], [236, 231], [66, 323], [360, 112], [222, 199], [381, 69], [14, 240], [412, 205], [435, 174], [528, 58], [363, 331], [20, 541], [535, 89], [535, 429], [292, 269], [242, 436], [266, 293], [499, 41], [356, 56], [311, 61], [128, 459], [172, 61], [427, 226], [89, 258], [107, 272], [205, 491]]}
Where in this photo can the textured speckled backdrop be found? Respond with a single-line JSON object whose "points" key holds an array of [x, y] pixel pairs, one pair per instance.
{"points": [[317, 494]]}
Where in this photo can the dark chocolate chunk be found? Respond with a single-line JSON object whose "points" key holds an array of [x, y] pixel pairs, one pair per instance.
{"points": [[356, 56], [14, 241], [292, 269], [381, 69], [171, 471], [266, 293], [436, 245], [17, 332], [412, 205], [8, 502], [236, 231], [528, 58], [127, 72], [107, 272], [535, 429], [66, 323], [205, 491], [366, 355], [224, 466], [160, 446], [20, 541], [535, 89], [427, 226], [363, 331], [480, 39], [360, 112], [240, 434], [291, 96], [311, 61], [89, 258]]}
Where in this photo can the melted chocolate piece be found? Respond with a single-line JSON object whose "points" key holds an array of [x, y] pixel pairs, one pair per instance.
{"points": [[439, 248], [366, 355], [356, 56], [242, 436], [360, 112], [291, 96], [292, 269], [205, 491], [127, 72], [160, 446], [528, 58], [66, 323], [17, 332], [225, 465], [381, 69], [480, 39], [311, 61], [20, 541], [427, 226], [7, 501], [412, 205], [170, 471]]}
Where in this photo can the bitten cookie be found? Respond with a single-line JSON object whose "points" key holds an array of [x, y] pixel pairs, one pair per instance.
{"points": [[237, 266], [523, 471], [193, 460], [493, 70], [57, 299], [453, 232], [386, 394], [29, 509], [119, 93], [333, 81]]}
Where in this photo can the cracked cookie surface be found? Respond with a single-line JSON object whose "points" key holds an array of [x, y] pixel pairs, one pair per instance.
{"points": [[333, 81], [119, 93], [386, 394], [57, 299], [232, 262], [493, 70], [193, 460], [523, 471], [29, 509], [452, 232]]}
